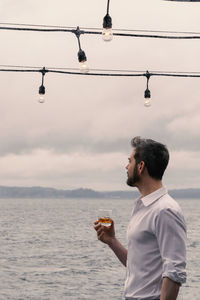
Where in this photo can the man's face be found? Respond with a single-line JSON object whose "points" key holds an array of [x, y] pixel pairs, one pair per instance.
{"points": [[132, 171]]}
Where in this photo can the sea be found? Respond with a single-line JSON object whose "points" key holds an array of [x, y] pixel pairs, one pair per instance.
{"points": [[49, 249]]}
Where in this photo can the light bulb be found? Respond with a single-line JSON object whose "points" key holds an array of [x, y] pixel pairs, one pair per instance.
{"points": [[147, 102], [84, 67], [41, 93], [107, 34], [41, 98], [147, 97]]}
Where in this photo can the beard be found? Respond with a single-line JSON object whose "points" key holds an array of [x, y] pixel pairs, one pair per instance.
{"points": [[132, 181]]}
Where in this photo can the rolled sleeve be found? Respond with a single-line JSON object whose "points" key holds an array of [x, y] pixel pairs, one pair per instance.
{"points": [[171, 237]]}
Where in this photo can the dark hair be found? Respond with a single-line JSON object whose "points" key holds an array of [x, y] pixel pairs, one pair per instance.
{"points": [[155, 156]]}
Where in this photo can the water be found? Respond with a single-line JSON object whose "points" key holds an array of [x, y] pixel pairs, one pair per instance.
{"points": [[49, 250]]}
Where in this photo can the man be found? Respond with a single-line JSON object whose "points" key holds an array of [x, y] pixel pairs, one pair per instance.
{"points": [[156, 257]]}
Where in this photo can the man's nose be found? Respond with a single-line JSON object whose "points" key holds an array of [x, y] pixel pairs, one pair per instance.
{"points": [[126, 167]]}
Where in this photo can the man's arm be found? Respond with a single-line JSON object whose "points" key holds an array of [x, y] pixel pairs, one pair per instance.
{"points": [[171, 237], [119, 250], [107, 236], [169, 289]]}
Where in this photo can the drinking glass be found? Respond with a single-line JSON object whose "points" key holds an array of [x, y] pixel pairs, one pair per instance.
{"points": [[104, 216]]}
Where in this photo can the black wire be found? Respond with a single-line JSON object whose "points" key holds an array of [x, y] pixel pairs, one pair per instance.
{"points": [[74, 73], [13, 66], [97, 74], [92, 28], [42, 79], [155, 36], [71, 73], [35, 25], [100, 32], [100, 70], [36, 29], [175, 75], [148, 77], [78, 32], [79, 43], [103, 74], [19, 70], [147, 30], [108, 4]]}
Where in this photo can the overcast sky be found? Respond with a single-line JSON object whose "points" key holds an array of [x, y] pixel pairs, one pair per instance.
{"points": [[80, 136]]}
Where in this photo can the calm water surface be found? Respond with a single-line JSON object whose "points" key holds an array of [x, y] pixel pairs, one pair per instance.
{"points": [[49, 250]]}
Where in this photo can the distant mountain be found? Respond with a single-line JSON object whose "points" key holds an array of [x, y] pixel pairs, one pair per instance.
{"points": [[185, 193], [44, 192], [178, 193]]}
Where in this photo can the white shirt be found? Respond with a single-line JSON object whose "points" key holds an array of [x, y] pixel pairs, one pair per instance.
{"points": [[156, 245]]}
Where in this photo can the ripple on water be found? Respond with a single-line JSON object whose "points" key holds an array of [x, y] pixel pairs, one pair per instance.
{"points": [[49, 250]]}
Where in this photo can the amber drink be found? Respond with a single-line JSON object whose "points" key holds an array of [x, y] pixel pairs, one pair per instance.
{"points": [[104, 217]]}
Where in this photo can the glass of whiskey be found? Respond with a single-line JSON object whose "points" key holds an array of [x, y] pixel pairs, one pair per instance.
{"points": [[104, 217]]}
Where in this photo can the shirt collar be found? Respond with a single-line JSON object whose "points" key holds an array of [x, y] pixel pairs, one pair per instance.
{"points": [[149, 199]]}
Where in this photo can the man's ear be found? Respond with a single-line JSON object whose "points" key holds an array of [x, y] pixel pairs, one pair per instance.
{"points": [[141, 167]]}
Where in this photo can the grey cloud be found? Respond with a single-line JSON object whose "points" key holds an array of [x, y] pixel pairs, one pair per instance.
{"points": [[22, 141], [61, 143], [90, 114]]}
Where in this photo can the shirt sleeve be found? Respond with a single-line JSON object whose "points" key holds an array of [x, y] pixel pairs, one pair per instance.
{"points": [[171, 236]]}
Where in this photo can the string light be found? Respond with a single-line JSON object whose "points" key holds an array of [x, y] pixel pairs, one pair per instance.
{"points": [[99, 72], [190, 35], [107, 34], [81, 54], [107, 27], [147, 93], [42, 87]]}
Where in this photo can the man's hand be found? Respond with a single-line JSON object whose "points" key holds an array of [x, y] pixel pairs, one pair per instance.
{"points": [[105, 234]]}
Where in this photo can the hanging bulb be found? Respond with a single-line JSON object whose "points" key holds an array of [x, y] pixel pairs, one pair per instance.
{"points": [[107, 28], [41, 94], [41, 99], [42, 88], [83, 61], [107, 34], [147, 102], [147, 93], [147, 97], [84, 67], [81, 54]]}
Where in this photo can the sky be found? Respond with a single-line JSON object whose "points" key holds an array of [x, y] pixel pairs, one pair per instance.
{"points": [[80, 137]]}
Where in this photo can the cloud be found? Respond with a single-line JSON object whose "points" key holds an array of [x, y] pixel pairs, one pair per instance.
{"points": [[100, 171], [98, 126], [82, 133], [63, 170], [184, 131], [184, 169]]}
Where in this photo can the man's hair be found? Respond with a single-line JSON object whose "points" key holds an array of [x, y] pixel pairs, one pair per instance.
{"points": [[155, 156]]}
